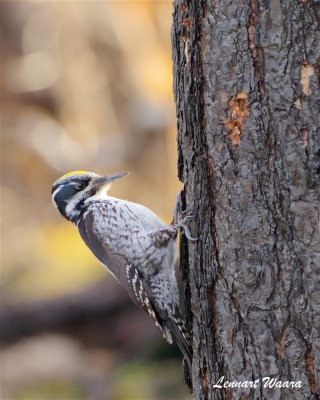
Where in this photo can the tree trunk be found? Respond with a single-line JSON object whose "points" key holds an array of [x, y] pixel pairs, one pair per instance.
{"points": [[246, 86]]}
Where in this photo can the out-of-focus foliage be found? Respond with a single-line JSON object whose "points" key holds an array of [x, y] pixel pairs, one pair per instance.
{"points": [[61, 368], [84, 85], [58, 256]]}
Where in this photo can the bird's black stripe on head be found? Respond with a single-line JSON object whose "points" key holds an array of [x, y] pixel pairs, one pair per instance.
{"points": [[70, 180], [64, 192], [65, 189]]}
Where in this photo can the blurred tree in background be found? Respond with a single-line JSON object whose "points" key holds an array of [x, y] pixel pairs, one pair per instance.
{"points": [[84, 85]]}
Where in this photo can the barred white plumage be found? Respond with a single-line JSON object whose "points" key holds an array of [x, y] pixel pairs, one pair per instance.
{"points": [[132, 242]]}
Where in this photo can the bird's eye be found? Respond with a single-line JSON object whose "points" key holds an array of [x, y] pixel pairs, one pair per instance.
{"points": [[80, 186]]}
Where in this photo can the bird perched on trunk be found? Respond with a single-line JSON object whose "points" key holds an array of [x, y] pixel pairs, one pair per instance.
{"points": [[132, 242]]}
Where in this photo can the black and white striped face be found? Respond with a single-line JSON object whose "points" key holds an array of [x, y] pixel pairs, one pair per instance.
{"points": [[70, 192]]}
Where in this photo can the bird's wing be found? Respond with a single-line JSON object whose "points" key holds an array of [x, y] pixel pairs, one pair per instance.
{"points": [[145, 215], [120, 267]]}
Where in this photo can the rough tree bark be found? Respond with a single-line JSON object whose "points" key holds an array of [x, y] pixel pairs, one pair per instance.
{"points": [[246, 86]]}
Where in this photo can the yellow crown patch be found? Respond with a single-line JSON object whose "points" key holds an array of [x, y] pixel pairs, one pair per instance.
{"points": [[73, 173]]}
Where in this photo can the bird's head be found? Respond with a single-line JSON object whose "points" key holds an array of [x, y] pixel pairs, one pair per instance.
{"points": [[70, 192]]}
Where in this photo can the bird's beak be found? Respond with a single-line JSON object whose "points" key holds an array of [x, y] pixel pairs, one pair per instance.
{"points": [[103, 183]]}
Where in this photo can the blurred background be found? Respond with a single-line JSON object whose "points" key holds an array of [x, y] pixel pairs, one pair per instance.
{"points": [[84, 85]]}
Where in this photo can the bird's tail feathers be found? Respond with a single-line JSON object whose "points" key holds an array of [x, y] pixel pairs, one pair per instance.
{"points": [[181, 337]]}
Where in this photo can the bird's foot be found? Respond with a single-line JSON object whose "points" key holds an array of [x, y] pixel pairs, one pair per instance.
{"points": [[181, 218], [185, 217]]}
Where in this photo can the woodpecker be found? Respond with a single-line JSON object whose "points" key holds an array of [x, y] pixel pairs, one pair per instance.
{"points": [[132, 242]]}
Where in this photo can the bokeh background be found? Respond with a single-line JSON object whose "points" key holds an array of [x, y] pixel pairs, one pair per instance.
{"points": [[84, 85]]}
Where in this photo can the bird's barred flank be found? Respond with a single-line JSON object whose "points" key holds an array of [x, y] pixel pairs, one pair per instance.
{"points": [[137, 285]]}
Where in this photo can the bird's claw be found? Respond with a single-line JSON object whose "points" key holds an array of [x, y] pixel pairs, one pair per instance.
{"points": [[187, 233], [184, 218]]}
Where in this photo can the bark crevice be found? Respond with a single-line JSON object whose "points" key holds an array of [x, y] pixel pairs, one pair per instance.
{"points": [[248, 148]]}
